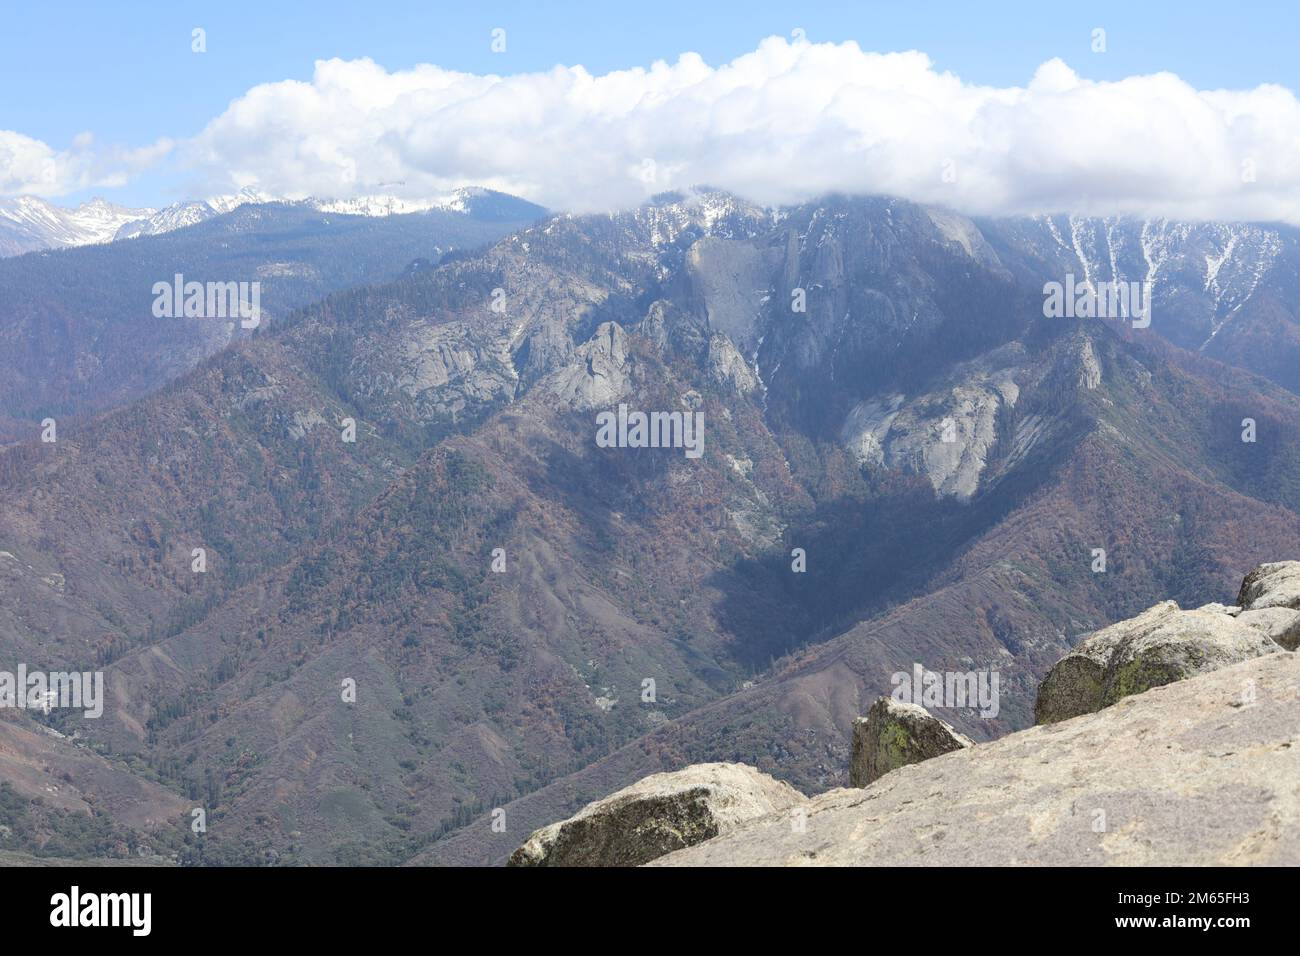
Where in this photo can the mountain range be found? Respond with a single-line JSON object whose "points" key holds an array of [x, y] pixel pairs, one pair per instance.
{"points": [[30, 224], [79, 332], [904, 461]]}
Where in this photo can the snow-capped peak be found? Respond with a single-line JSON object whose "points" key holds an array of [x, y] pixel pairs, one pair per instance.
{"points": [[33, 223], [28, 223], [231, 201], [189, 213]]}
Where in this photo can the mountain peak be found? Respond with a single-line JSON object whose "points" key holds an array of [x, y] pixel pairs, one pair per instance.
{"points": [[29, 223], [475, 201]]}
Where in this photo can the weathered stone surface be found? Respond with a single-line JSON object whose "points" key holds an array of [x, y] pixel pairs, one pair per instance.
{"points": [[1281, 624], [1186, 775], [947, 434], [1271, 585], [894, 734], [598, 375], [1230, 610], [1161, 645], [1074, 685], [662, 813], [728, 367], [731, 277], [1189, 643]]}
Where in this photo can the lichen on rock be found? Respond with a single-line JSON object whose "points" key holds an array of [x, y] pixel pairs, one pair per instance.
{"points": [[1165, 644], [1191, 642], [894, 734], [657, 815], [1075, 684]]}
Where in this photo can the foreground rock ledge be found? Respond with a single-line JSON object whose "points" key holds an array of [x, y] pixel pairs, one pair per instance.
{"points": [[1202, 772], [1074, 685], [1271, 585], [894, 734], [1165, 644], [659, 814]]}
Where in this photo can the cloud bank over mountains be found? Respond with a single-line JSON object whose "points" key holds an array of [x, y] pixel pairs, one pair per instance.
{"points": [[29, 167], [787, 122]]}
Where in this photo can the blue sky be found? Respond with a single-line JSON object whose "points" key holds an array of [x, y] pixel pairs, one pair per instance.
{"points": [[125, 72]]}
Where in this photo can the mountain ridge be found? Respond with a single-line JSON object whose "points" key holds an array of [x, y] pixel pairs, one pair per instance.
{"points": [[32, 224], [520, 689]]}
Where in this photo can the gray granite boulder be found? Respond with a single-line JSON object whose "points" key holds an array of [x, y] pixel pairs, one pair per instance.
{"points": [[1271, 585], [1161, 645], [1190, 643], [659, 814], [1281, 624], [894, 734], [1075, 683]]}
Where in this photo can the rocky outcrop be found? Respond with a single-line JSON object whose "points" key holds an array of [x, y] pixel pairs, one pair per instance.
{"points": [[1166, 739], [1196, 773], [598, 376], [657, 815], [962, 232], [1270, 601], [947, 435], [1271, 585], [728, 367], [1193, 642], [894, 734], [1165, 644], [1280, 624], [435, 370], [1074, 685]]}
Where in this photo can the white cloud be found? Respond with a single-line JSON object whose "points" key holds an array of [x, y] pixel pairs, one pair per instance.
{"points": [[31, 167], [786, 122], [27, 165]]}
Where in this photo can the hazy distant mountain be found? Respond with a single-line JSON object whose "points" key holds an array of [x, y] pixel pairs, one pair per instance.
{"points": [[77, 328], [474, 383], [179, 215], [28, 223], [484, 205]]}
